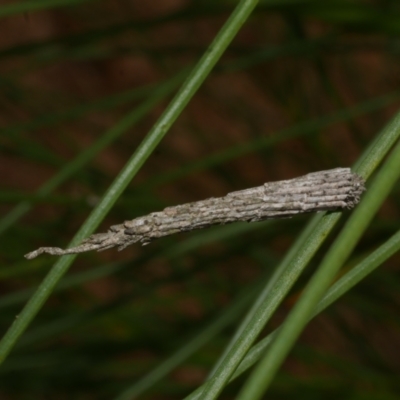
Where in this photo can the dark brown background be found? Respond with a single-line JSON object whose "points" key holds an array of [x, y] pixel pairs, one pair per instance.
{"points": [[289, 65]]}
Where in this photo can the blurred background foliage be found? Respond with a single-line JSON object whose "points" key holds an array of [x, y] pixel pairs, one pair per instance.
{"points": [[305, 86]]}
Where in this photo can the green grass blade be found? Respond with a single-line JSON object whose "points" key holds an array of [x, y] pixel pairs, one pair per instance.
{"points": [[304, 128], [338, 289], [377, 151], [85, 156], [340, 250], [66, 283], [220, 322], [359, 272], [342, 286], [263, 297], [177, 105]]}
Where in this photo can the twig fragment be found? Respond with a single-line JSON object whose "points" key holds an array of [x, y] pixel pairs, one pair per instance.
{"points": [[319, 191]]}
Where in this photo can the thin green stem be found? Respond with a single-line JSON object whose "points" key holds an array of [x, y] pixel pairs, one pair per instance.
{"points": [[334, 259], [266, 292], [161, 127], [311, 127], [338, 289], [72, 167], [187, 349], [287, 277], [342, 286]]}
